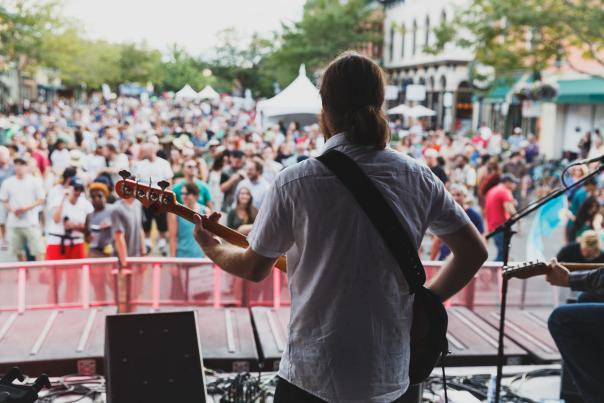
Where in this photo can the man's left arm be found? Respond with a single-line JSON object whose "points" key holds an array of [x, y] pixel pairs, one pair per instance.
{"points": [[588, 280]]}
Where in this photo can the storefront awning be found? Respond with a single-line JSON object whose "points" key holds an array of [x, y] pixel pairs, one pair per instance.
{"points": [[587, 91], [499, 92]]}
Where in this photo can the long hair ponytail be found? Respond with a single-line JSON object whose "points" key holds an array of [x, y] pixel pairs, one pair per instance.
{"points": [[352, 93]]}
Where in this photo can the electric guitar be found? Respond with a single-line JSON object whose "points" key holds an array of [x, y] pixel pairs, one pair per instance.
{"points": [[539, 268], [165, 200]]}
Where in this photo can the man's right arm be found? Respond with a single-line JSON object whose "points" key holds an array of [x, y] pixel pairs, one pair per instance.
{"points": [[468, 253]]}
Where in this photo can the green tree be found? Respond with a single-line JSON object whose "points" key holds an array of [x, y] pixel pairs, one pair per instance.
{"points": [[180, 69], [23, 26], [138, 63], [527, 34], [240, 64], [327, 28], [81, 61]]}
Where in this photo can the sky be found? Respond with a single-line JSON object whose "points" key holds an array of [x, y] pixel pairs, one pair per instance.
{"points": [[192, 24]]}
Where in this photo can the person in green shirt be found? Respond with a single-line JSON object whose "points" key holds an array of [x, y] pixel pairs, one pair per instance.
{"points": [[191, 174]]}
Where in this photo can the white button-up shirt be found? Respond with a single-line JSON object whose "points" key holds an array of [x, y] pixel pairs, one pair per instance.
{"points": [[350, 304]]}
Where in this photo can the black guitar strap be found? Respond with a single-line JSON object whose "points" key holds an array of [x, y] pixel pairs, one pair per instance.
{"points": [[380, 214]]}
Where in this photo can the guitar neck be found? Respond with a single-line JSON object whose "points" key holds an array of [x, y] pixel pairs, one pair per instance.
{"points": [[582, 266], [230, 235], [539, 269]]}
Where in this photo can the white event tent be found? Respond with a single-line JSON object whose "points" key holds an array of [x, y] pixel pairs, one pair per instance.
{"points": [[416, 111], [299, 101], [419, 111], [186, 92], [401, 109], [208, 93]]}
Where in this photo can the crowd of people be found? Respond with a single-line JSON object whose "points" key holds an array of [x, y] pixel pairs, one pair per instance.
{"points": [[60, 161]]}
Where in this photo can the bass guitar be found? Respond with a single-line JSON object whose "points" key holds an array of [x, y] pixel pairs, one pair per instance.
{"points": [[163, 199], [539, 268]]}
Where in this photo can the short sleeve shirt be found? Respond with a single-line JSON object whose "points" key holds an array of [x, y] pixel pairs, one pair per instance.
{"points": [[351, 309], [494, 209], [20, 193], [155, 171]]}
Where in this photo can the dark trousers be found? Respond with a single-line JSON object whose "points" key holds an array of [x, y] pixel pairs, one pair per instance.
{"points": [[577, 331], [288, 393]]}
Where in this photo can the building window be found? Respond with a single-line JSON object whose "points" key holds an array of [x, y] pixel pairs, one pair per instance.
{"points": [[427, 38], [414, 43], [443, 17], [403, 29], [391, 44]]}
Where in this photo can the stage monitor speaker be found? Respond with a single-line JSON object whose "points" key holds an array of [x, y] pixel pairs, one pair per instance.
{"points": [[153, 358]]}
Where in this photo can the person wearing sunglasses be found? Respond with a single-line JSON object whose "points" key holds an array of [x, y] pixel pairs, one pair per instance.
{"points": [[191, 174]]}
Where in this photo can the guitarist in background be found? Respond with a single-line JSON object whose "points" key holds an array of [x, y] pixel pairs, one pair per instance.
{"points": [[351, 310], [577, 328]]}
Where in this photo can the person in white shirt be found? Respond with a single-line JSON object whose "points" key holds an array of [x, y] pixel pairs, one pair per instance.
{"points": [[60, 157], [152, 169], [93, 164], [20, 195], [271, 167], [254, 181], [116, 162], [357, 349], [66, 233]]}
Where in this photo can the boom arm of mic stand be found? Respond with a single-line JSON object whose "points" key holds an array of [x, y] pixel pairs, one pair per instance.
{"points": [[506, 228]]}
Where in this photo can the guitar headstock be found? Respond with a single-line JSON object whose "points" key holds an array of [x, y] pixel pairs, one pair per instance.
{"points": [[148, 195], [525, 270]]}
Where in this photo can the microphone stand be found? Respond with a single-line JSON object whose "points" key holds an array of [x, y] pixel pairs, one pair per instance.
{"points": [[508, 232]]}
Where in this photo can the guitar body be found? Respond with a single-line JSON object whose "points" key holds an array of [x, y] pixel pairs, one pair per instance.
{"points": [[428, 335]]}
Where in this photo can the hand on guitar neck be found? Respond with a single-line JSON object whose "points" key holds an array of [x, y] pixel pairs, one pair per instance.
{"points": [[556, 273]]}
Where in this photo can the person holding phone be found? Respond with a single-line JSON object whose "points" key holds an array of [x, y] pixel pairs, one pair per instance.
{"points": [[66, 234]]}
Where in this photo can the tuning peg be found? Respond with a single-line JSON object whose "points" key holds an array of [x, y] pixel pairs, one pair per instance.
{"points": [[124, 174], [163, 185]]}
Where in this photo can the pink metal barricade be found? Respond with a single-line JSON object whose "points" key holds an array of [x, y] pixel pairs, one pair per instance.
{"points": [[157, 281]]}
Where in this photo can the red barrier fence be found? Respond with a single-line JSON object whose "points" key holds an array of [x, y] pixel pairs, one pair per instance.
{"points": [[157, 281]]}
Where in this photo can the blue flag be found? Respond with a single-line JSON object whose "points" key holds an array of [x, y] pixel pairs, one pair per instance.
{"points": [[546, 220]]}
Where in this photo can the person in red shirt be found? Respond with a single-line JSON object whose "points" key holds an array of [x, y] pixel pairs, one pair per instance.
{"points": [[499, 205]]}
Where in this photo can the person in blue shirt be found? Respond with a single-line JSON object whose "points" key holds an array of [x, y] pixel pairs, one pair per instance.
{"points": [[182, 243], [180, 236], [460, 193]]}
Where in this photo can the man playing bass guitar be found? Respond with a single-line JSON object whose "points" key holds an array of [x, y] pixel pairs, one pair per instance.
{"points": [[577, 328], [351, 310]]}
